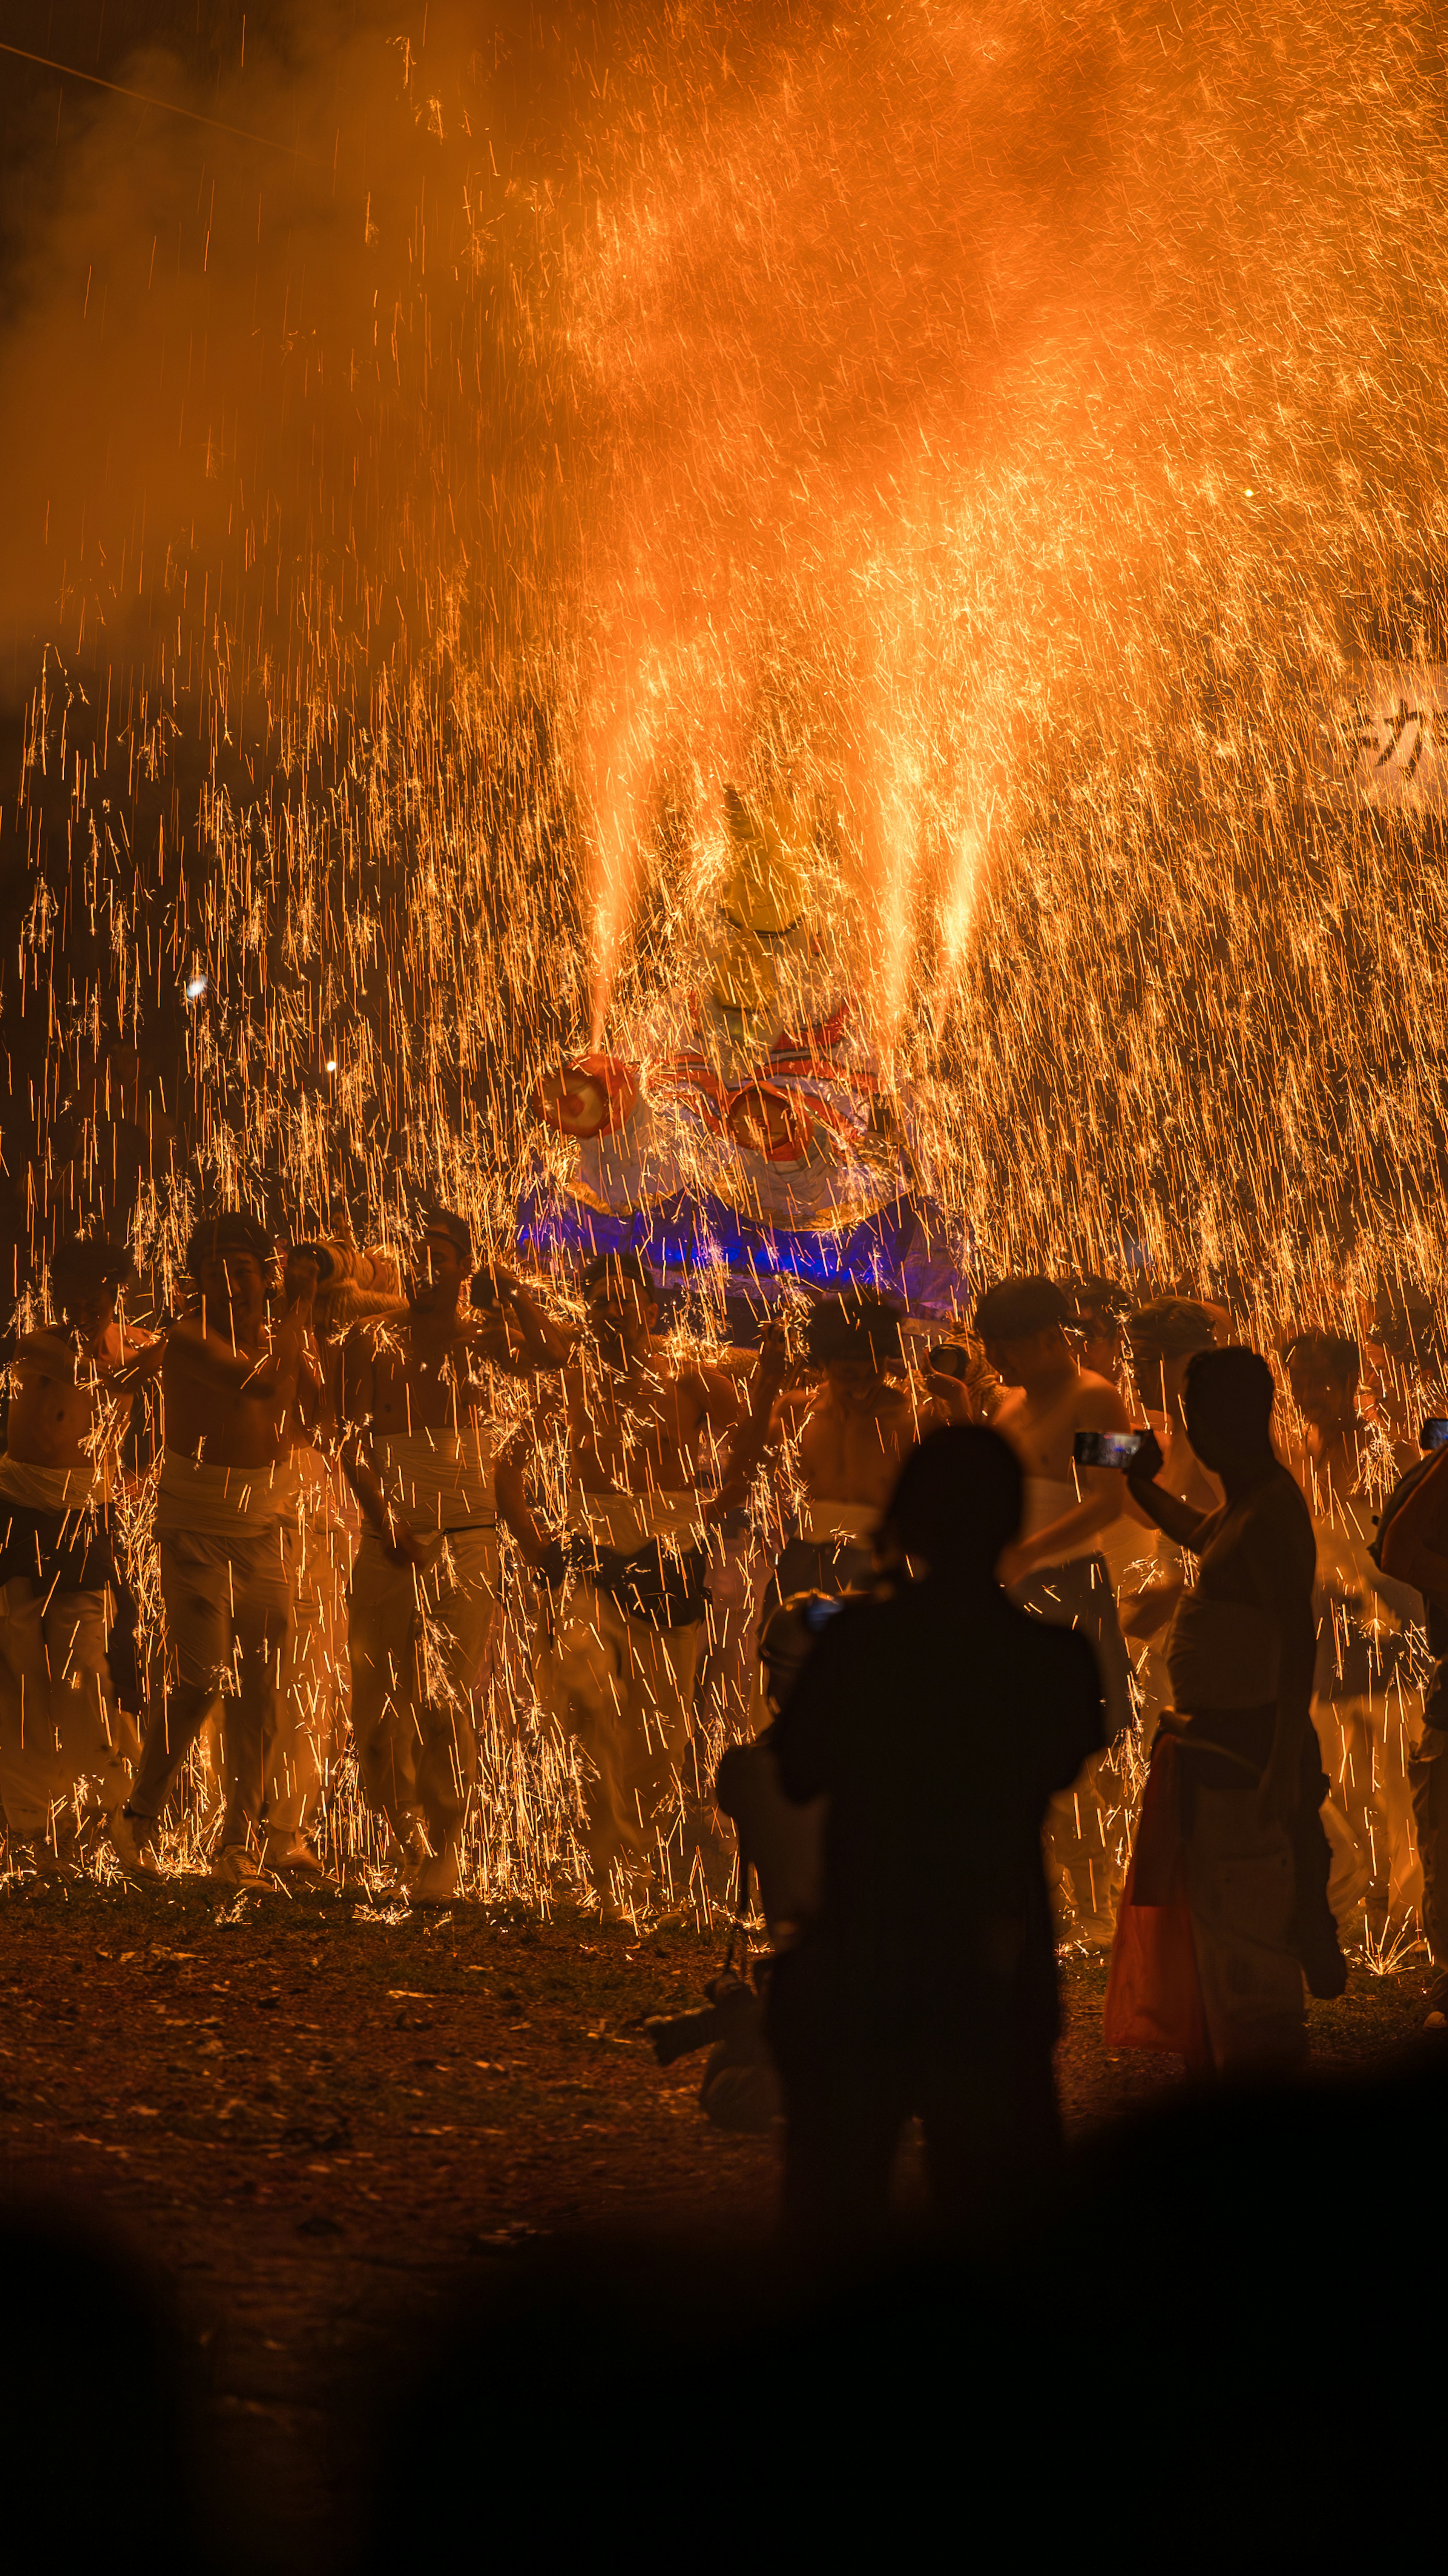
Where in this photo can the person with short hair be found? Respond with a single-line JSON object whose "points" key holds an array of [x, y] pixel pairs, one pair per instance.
{"points": [[1099, 1309], [625, 1591], [64, 1741], [1162, 1337], [234, 1388], [421, 1457], [937, 1723], [1241, 1655]]}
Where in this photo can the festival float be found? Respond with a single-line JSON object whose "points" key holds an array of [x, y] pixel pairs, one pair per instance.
{"points": [[738, 1130]]}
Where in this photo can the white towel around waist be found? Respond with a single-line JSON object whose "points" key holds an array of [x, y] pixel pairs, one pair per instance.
{"points": [[194, 1500], [441, 1480], [629, 1521], [50, 1489], [821, 1520], [1047, 1499]]}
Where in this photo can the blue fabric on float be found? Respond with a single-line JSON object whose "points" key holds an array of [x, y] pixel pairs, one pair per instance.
{"points": [[913, 1252]]}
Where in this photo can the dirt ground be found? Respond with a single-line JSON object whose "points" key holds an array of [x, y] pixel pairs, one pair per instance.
{"points": [[315, 2118]]}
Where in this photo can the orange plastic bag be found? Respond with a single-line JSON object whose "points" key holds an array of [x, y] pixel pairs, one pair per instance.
{"points": [[1153, 1991]]}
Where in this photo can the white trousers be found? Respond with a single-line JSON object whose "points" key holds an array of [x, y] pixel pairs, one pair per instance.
{"points": [[312, 1700], [59, 1723], [625, 1691], [419, 1642]]}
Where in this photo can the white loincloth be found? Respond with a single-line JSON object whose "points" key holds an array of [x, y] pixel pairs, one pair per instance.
{"points": [[441, 1480], [1046, 1500], [50, 1489], [627, 1522], [196, 1501]]}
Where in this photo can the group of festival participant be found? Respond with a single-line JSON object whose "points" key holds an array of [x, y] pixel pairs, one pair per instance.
{"points": [[331, 1487]]}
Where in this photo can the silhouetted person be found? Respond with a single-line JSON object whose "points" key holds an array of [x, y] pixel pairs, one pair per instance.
{"points": [[1241, 1653], [939, 1723]]}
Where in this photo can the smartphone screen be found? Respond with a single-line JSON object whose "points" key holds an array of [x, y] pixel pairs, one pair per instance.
{"points": [[1434, 1434], [1107, 1448], [818, 1611]]}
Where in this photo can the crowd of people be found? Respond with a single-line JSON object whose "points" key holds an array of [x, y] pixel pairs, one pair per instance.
{"points": [[1263, 1584]]}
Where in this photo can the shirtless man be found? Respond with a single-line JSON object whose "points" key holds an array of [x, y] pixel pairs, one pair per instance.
{"points": [[60, 1580], [1057, 1569], [420, 1461], [618, 1669], [855, 1431], [234, 1391]]}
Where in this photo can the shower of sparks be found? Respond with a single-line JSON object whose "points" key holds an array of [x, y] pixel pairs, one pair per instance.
{"points": [[1004, 431]]}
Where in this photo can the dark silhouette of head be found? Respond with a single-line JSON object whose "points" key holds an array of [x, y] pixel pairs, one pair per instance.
{"points": [[861, 1325], [87, 1275], [958, 1500], [1227, 1400], [227, 1260], [1022, 1323]]}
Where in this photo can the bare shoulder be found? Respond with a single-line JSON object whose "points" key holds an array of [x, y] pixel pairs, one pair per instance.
{"points": [[1099, 1404], [713, 1389], [46, 1351]]}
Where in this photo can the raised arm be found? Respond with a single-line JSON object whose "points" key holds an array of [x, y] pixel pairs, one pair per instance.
{"points": [[542, 1343], [756, 1428], [1167, 1511], [193, 1347]]}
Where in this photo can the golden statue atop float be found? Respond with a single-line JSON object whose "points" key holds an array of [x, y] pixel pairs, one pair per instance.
{"points": [[738, 1119]]}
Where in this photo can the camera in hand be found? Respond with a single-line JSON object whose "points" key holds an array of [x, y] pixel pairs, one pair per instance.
{"points": [[732, 2000], [1434, 1434], [335, 1261], [1108, 1448], [949, 1359]]}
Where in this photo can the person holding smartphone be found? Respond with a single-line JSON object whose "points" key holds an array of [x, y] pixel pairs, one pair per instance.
{"points": [[1241, 1654]]}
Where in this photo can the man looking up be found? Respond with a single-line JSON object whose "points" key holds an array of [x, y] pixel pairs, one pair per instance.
{"points": [[234, 1391], [617, 1669], [1241, 1654], [420, 1460], [60, 1576]]}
